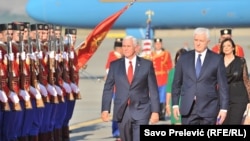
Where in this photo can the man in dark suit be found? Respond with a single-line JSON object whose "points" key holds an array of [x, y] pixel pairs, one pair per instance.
{"points": [[137, 101], [200, 84]]}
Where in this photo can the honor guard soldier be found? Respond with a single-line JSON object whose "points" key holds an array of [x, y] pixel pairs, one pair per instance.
{"points": [[37, 86], [24, 79], [3, 77], [70, 40], [162, 64], [66, 68], [50, 63], [3, 71], [227, 33], [33, 87], [18, 30], [12, 119], [46, 130], [116, 53], [60, 111]]}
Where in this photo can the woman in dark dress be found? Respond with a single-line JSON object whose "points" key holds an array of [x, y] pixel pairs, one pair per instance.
{"points": [[238, 81]]}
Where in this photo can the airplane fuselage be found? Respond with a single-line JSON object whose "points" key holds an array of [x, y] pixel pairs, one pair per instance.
{"points": [[166, 14]]}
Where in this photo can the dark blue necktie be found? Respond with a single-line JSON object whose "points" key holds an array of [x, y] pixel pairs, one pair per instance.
{"points": [[198, 66]]}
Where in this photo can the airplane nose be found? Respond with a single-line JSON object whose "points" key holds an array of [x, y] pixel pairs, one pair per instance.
{"points": [[33, 10]]}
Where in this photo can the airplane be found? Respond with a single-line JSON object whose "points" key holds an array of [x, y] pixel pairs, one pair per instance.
{"points": [[164, 14]]}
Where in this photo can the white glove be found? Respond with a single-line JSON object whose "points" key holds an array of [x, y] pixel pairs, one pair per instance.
{"points": [[32, 56], [51, 90], [67, 87], [65, 55], [1, 56], [58, 90], [13, 97], [43, 90], [3, 97], [17, 55], [40, 55], [23, 57], [52, 54], [71, 55], [35, 92], [11, 56], [60, 56], [25, 95], [57, 57], [74, 87]]}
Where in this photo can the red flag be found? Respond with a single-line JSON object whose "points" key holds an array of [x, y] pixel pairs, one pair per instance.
{"points": [[95, 38]]}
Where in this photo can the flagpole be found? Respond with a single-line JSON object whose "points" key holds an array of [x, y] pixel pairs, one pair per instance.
{"points": [[132, 2]]}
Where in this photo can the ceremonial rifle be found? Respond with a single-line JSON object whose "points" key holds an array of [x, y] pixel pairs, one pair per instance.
{"points": [[34, 71], [40, 65], [16, 106], [51, 65], [4, 105], [66, 74], [72, 69], [58, 74], [27, 103]]}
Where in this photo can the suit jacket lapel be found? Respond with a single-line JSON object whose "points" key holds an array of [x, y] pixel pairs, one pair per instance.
{"points": [[137, 68], [193, 64], [123, 70]]}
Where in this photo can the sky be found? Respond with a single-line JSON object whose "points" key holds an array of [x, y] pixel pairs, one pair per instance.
{"points": [[13, 10]]}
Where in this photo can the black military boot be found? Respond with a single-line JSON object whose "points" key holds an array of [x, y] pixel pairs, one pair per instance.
{"points": [[65, 133]]}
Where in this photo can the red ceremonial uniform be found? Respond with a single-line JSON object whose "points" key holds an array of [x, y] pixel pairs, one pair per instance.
{"points": [[162, 64], [26, 72], [3, 48], [113, 55], [4, 77], [15, 81]]}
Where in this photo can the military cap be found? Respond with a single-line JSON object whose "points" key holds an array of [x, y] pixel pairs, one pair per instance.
{"points": [[17, 26], [118, 42], [45, 27], [70, 31], [10, 26], [36, 27], [3, 27], [157, 40], [57, 27], [226, 32], [26, 24]]}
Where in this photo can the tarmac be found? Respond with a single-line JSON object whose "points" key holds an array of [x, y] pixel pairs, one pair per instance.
{"points": [[86, 123]]}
